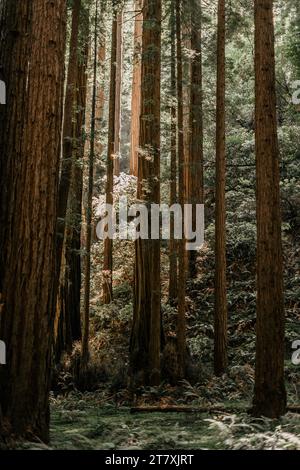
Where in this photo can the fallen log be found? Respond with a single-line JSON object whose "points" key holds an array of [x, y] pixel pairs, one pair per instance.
{"points": [[200, 409]]}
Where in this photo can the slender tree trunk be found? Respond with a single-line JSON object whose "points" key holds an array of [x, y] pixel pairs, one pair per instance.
{"points": [[181, 323], [173, 255], [68, 321], [220, 342], [68, 147], [73, 242], [30, 139], [119, 65], [89, 210], [146, 331], [269, 391], [108, 242], [100, 97], [136, 88], [195, 167]]}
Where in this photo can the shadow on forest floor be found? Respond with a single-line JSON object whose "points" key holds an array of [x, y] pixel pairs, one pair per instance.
{"points": [[83, 422]]}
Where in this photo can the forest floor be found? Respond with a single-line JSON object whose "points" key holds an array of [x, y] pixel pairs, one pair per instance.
{"points": [[82, 421]]}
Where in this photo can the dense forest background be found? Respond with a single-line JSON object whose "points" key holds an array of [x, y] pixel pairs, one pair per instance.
{"points": [[161, 102]]}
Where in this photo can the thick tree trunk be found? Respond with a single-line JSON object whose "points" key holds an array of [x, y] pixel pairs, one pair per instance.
{"points": [[146, 331], [181, 323], [119, 65], [269, 392], [220, 340], [108, 242], [136, 88], [195, 166], [89, 211], [173, 255], [30, 140]]}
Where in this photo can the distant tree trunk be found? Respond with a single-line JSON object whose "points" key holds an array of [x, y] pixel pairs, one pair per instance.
{"points": [[108, 242], [100, 98], [269, 391], [68, 147], [146, 331], [68, 321], [186, 91], [89, 211], [30, 138], [119, 64], [173, 256], [181, 323], [195, 166], [220, 340], [136, 88]]}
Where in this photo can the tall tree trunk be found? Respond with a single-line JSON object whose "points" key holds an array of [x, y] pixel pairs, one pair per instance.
{"points": [[68, 321], [269, 391], [173, 256], [119, 65], [30, 139], [136, 88], [146, 331], [89, 210], [68, 147], [108, 242], [181, 323], [220, 340], [195, 166]]}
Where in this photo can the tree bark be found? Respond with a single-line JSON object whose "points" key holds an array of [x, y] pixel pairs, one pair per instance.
{"points": [[89, 211], [30, 141], [269, 391], [136, 88], [68, 321], [119, 65], [146, 331], [173, 255], [108, 242], [220, 340], [195, 166], [68, 147], [181, 321]]}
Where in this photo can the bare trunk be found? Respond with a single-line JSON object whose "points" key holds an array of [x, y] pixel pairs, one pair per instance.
{"points": [[173, 255], [136, 88], [108, 242], [146, 331], [269, 391], [195, 166], [220, 342], [119, 64], [181, 323], [89, 210], [67, 151], [30, 135]]}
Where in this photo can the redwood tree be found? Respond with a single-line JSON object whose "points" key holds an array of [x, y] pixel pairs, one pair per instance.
{"points": [[68, 147], [32, 46], [136, 88], [195, 164], [173, 255], [89, 209], [108, 242], [181, 321], [220, 339], [269, 391], [146, 330]]}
